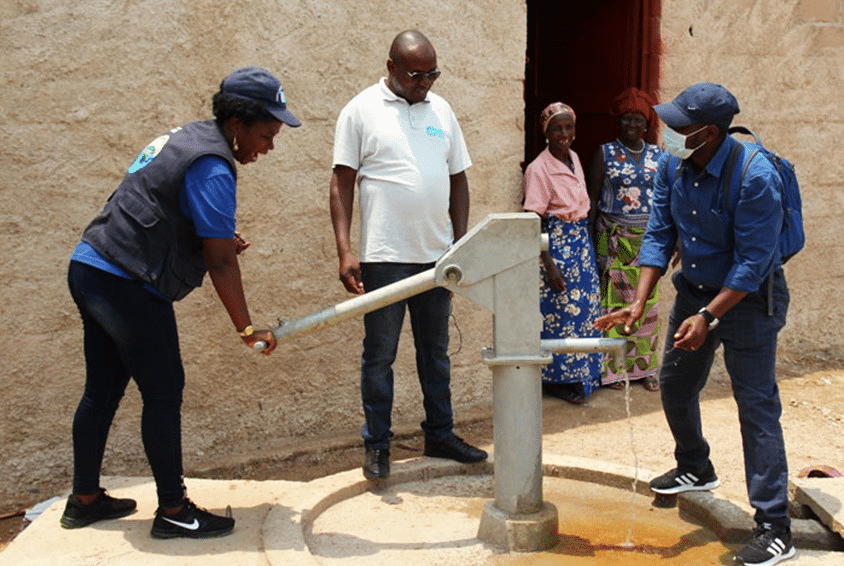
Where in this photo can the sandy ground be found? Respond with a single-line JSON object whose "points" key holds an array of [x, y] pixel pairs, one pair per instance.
{"points": [[612, 427]]}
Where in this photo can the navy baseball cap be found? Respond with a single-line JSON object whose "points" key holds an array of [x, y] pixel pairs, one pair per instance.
{"points": [[701, 103], [260, 86]]}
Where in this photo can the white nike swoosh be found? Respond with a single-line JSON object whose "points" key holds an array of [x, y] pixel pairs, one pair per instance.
{"points": [[189, 526]]}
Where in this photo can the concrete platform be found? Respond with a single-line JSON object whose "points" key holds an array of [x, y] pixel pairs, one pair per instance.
{"points": [[427, 513], [825, 497]]}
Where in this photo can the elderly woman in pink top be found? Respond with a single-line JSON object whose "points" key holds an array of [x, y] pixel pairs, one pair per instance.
{"points": [[570, 298]]}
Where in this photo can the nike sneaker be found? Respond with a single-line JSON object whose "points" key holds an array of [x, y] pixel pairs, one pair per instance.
{"points": [[190, 522], [77, 514]]}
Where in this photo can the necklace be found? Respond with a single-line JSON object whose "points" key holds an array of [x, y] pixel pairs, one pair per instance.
{"points": [[634, 151]]}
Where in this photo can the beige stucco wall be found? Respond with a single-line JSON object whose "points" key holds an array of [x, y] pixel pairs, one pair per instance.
{"points": [[87, 84]]}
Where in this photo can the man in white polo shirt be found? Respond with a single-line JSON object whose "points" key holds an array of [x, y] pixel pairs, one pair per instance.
{"points": [[404, 147]]}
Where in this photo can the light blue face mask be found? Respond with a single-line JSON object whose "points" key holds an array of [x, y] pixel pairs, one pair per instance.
{"points": [[675, 143]]}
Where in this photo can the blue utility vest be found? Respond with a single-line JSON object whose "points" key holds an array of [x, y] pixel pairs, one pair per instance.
{"points": [[141, 228]]}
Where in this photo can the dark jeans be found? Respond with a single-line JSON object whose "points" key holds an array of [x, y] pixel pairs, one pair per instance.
{"points": [[749, 336], [128, 332], [429, 314]]}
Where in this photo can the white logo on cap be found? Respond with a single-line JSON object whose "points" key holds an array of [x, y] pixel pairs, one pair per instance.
{"points": [[691, 108], [281, 98]]}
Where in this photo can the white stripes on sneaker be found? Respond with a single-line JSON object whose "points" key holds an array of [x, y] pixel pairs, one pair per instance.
{"points": [[776, 547], [687, 479], [677, 482]]}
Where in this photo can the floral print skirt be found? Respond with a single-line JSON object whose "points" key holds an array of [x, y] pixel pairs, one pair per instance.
{"points": [[570, 314]]}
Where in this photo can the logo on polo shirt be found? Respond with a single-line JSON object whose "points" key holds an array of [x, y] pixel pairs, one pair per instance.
{"points": [[436, 132]]}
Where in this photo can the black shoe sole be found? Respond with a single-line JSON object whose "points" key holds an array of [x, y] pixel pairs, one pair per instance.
{"points": [[684, 488], [77, 523], [190, 534], [372, 476], [169, 535], [461, 459]]}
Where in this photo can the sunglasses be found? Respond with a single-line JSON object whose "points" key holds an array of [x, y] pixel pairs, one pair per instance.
{"points": [[419, 75]]}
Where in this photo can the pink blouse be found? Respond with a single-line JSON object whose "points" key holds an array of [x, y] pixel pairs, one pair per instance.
{"points": [[552, 188]]}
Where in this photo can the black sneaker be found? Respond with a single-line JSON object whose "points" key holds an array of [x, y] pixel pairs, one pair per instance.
{"points": [[676, 481], [376, 464], [770, 545], [454, 448], [190, 522], [77, 514]]}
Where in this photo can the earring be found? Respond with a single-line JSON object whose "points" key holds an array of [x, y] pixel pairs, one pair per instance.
{"points": [[235, 145]]}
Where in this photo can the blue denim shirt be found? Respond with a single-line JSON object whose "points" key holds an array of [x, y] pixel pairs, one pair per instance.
{"points": [[717, 248]]}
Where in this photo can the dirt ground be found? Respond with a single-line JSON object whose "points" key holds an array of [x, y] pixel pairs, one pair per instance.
{"points": [[812, 393]]}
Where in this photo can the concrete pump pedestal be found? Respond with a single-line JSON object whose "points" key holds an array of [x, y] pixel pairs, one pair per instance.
{"points": [[519, 533]]}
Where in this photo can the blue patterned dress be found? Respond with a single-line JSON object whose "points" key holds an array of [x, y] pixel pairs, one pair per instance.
{"points": [[570, 314], [558, 194]]}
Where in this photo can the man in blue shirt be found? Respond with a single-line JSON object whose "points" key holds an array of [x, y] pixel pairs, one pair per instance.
{"points": [[730, 291]]}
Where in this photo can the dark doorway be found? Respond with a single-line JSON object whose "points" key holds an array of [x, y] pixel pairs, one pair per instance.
{"points": [[584, 53]]}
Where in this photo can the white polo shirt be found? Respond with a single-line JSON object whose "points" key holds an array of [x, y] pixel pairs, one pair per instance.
{"points": [[404, 154]]}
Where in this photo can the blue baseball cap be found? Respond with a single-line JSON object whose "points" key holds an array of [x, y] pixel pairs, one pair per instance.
{"points": [[701, 103], [260, 86]]}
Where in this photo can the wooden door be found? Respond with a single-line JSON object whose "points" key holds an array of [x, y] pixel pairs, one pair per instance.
{"points": [[584, 53]]}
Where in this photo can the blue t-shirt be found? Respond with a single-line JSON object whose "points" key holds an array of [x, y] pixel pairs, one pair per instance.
{"points": [[207, 197]]}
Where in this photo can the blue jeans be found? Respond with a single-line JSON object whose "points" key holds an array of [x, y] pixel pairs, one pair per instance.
{"points": [[749, 336], [128, 333], [429, 314]]}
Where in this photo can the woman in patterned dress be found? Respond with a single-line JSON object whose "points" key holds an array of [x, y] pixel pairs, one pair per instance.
{"points": [[555, 189], [620, 188]]}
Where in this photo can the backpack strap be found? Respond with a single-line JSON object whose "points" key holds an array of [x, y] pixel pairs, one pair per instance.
{"points": [[673, 165], [732, 182], [745, 131]]}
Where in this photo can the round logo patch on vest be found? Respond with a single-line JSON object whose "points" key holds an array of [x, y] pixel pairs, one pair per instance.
{"points": [[149, 153]]}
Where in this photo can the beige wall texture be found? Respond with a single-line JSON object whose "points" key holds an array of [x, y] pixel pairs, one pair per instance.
{"points": [[87, 84]]}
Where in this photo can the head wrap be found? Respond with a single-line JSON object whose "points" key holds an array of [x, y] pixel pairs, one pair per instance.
{"points": [[552, 110], [635, 101]]}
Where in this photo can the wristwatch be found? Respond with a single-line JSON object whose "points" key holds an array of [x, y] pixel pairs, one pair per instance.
{"points": [[710, 319], [247, 332]]}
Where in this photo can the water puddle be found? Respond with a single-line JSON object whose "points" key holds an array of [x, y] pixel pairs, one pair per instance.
{"points": [[596, 528]]}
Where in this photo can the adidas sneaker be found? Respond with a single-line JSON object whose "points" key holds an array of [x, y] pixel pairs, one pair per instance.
{"points": [[677, 481], [769, 546]]}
